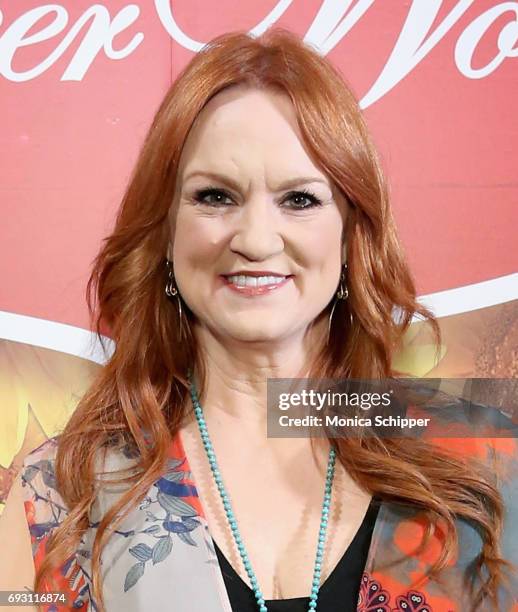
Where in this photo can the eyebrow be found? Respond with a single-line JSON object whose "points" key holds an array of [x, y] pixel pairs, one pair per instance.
{"points": [[216, 176]]}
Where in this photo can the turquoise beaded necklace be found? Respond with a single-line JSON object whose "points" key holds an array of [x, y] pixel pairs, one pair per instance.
{"points": [[232, 519]]}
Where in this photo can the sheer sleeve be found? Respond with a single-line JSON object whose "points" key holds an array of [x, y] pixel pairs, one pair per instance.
{"points": [[45, 511], [16, 561]]}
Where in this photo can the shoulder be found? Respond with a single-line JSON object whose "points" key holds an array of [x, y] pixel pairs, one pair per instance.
{"points": [[40, 457], [485, 437], [38, 470], [471, 430], [44, 506]]}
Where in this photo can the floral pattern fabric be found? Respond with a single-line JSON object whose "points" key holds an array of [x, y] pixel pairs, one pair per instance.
{"points": [[162, 556]]}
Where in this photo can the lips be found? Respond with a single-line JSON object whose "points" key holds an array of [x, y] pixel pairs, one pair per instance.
{"points": [[237, 282], [255, 273]]}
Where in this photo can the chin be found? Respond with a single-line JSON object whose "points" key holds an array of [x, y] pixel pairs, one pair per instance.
{"points": [[255, 333]]}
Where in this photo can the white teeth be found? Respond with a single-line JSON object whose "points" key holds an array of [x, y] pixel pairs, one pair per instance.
{"points": [[241, 280]]}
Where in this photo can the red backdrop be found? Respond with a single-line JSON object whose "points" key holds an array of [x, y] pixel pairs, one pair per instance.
{"points": [[80, 83]]}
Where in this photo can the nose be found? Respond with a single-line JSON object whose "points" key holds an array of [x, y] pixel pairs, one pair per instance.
{"points": [[257, 233]]}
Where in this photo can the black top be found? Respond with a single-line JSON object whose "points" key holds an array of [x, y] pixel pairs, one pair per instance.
{"points": [[341, 587]]}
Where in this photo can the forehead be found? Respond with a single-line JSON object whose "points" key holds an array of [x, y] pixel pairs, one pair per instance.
{"points": [[243, 129]]}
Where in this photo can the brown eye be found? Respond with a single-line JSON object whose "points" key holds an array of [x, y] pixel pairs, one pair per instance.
{"points": [[303, 199], [212, 196]]}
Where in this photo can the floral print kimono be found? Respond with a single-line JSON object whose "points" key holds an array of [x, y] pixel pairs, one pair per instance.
{"points": [[162, 556]]}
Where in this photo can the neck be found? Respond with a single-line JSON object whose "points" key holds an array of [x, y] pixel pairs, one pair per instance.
{"points": [[237, 372]]}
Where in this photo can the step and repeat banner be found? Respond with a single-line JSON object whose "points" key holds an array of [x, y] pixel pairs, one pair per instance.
{"points": [[80, 83]]}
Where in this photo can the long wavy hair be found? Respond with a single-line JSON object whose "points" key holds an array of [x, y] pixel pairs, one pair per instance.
{"points": [[139, 396]]}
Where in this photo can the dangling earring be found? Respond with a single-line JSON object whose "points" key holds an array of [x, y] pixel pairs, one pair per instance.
{"points": [[171, 290], [342, 293]]}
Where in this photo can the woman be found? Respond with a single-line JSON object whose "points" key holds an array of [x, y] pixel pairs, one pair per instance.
{"points": [[254, 241]]}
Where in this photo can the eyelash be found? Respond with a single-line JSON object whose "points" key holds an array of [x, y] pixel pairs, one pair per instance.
{"points": [[211, 191]]}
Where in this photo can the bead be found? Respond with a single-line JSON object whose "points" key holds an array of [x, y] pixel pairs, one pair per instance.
{"points": [[211, 456]]}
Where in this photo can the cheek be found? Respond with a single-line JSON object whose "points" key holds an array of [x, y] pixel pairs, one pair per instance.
{"points": [[322, 262], [197, 243], [323, 248]]}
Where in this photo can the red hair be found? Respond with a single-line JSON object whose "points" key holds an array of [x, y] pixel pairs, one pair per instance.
{"points": [[143, 387]]}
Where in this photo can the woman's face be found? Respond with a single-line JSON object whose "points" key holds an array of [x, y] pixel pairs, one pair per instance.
{"points": [[257, 247]]}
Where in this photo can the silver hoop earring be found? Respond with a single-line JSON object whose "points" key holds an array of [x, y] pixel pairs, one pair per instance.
{"points": [[171, 290], [342, 293]]}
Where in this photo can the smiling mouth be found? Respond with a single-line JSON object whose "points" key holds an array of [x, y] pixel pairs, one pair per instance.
{"points": [[255, 285]]}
